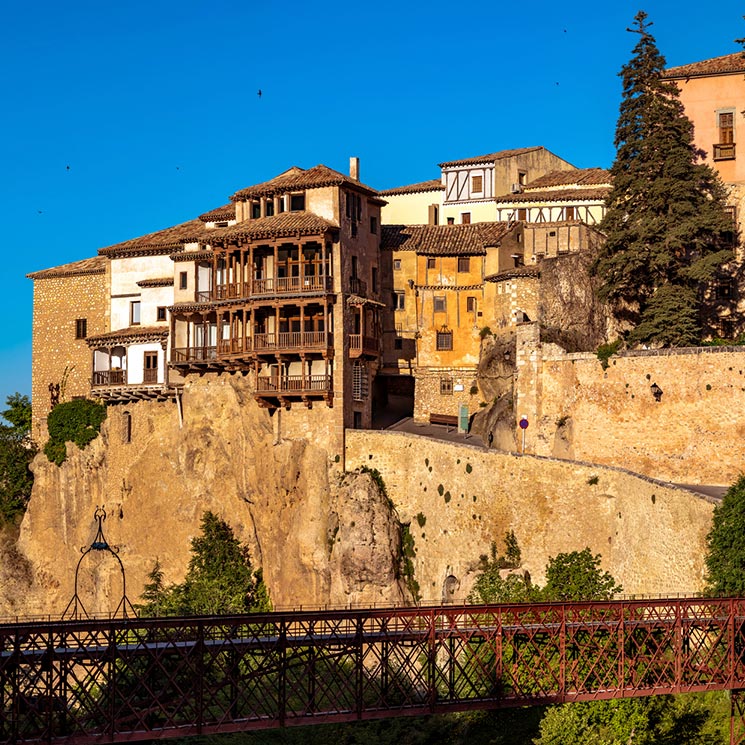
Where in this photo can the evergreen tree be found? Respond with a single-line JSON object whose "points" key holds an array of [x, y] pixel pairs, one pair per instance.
{"points": [[666, 226], [16, 453], [725, 558], [578, 576]]}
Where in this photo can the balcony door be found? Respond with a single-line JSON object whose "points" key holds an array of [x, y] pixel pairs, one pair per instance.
{"points": [[150, 368]]}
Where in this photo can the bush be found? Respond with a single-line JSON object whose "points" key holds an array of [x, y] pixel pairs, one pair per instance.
{"points": [[605, 351], [77, 421]]}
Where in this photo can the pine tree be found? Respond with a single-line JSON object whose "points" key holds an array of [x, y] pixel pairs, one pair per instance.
{"points": [[725, 558], [666, 225]]}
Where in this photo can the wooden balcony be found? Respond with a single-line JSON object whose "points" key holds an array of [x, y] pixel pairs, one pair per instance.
{"points": [[297, 385], [193, 355], [357, 286], [291, 285], [285, 341], [360, 345], [108, 378], [724, 151]]}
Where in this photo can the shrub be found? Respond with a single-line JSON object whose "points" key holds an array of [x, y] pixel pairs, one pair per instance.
{"points": [[605, 351], [77, 421]]}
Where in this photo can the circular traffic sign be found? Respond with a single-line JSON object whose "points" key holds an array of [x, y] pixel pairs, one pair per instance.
{"points": [[524, 423]]}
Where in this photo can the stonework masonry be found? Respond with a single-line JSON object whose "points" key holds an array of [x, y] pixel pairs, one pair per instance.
{"points": [[458, 498], [577, 409], [58, 356]]}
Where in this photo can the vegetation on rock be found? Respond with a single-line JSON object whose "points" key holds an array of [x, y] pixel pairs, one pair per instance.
{"points": [[16, 453], [666, 225], [220, 579], [77, 421]]}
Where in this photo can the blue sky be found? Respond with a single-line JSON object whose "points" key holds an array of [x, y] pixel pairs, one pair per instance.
{"points": [[154, 106]]}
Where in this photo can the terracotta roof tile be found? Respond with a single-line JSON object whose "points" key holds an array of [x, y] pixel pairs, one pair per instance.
{"points": [[729, 63], [276, 226], [444, 240], [219, 214], [161, 240], [556, 195], [576, 177], [431, 185], [131, 335], [490, 157], [157, 282], [296, 179], [532, 270], [94, 265]]}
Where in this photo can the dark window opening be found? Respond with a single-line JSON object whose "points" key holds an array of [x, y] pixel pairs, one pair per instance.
{"points": [[444, 341], [440, 303], [297, 202], [373, 224], [182, 280], [81, 328], [464, 264], [161, 313]]}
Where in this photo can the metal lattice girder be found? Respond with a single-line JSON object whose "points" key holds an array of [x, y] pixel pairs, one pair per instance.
{"points": [[77, 681]]}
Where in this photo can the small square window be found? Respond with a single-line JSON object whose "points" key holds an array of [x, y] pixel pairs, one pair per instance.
{"points": [[182, 280], [440, 303], [464, 264], [297, 202], [522, 213], [444, 341], [465, 218], [446, 386], [398, 300], [431, 262], [477, 184], [161, 313], [397, 265], [398, 343], [81, 328], [451, 221], [571, 213]]}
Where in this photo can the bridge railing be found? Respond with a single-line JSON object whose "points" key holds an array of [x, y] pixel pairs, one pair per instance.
{"points": [[78, 681]]}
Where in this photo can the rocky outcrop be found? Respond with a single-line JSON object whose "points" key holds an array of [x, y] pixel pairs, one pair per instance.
{"points": [[320, 536]]}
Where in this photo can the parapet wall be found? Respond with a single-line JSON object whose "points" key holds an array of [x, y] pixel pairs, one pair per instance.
{"points": [[458, 498], [692, 432]]}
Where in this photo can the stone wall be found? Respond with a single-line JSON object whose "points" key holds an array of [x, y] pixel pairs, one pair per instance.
{"points": [[692, 434], [458, 498], [58, 356], [432, 395]]}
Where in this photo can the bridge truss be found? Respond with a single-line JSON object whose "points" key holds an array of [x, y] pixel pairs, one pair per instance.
{"points": [[85, 681]]}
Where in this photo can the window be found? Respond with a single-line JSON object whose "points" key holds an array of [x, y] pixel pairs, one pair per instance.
{"points": [[355, 267], [446, 386], [522, 178], [398, 342], [161, 313], [255, 210], [269, 207], [451, 221], [522, 213], [297, 202], [725, 148], [126, 427], [398, 300], [373, 224], [359, 381], [397, 265], [431, 262], [465, 218], [464, 264], [444, 341], [81, 328], [477, 183], [440, 303], [570, 213], [374, 279], [182, 280], [150, 373], [134, 313], [471, 304]]}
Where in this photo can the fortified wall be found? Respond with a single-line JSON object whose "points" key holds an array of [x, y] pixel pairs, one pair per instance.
{"points": [[674, 414], [458, 498]]}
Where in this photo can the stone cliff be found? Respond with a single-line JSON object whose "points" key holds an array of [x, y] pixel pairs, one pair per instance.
{"points": [[322, 537]]}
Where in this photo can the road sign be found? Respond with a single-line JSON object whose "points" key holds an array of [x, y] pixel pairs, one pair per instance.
{"points": [[524, 423]]}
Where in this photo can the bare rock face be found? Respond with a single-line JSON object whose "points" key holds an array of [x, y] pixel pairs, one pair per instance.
{"points": [[284, 499]]}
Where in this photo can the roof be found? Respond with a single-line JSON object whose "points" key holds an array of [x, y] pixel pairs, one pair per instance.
{"points": [[432, 185], [276, 226], [94, 265], [445, 240], [162, 241], [491, 157], [157, 282], [728, 64], [531, 270], [576, 177], [557, 195], [219, 214], [297, 179], [132, 334]]}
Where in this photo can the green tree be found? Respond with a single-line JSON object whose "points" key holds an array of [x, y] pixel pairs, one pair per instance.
{"points": [[667, 231], [77, 421], [16, 453], [578, 576], [493, 585], [219, 581], [725, 557]]}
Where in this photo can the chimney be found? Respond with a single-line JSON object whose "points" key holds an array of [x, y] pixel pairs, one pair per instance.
{"points": [[354, 168]]}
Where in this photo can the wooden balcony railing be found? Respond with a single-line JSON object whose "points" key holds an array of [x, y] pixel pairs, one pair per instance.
{"points": [[282, 285], [193, 354], [203, 296], [109, 377], [295, 340], [149, 376], [725, 151], [359, 344], [297, 384], [357, 286]]}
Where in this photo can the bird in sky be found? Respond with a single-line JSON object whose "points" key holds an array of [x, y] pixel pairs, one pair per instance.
{"points": [[259, 93], [68, 168]]}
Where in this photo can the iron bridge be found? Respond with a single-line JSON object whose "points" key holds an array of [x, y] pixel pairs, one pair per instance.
{"points": [[86, 681]]}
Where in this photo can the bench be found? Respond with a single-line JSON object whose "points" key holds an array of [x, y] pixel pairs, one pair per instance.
{"points": [[449, 420]]}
